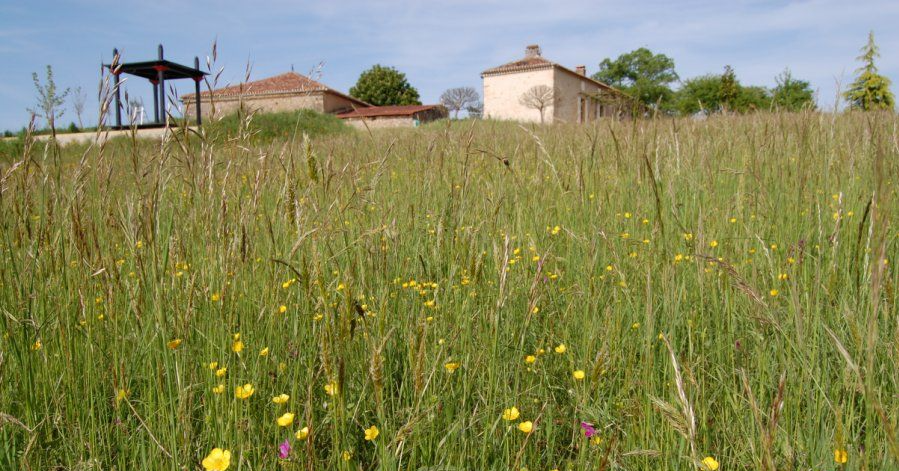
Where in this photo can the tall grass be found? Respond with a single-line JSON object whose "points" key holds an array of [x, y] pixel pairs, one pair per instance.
{"points": [[727, 287]]}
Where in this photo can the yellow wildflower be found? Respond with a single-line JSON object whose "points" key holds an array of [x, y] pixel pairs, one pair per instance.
{"points": [[302, 433], [578, 374], [331, 388], [173, 344], [561, 348], [774, 293], [221, 371], [263, 352], [371, 433], [452, 366], [840, 456], [511, 413], [710, 463], [530, 359], [219, 389], [527, 426], [286, 419], [282, 309], [244, 392], [281, 399], [37, 345], [217, 460]]}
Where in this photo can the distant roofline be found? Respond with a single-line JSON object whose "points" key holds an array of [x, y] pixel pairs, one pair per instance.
{"points": [[388, 111], [510, 68], [227, 92]]}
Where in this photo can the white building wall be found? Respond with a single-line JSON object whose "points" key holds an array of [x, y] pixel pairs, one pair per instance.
{"points": [[502, 93]]}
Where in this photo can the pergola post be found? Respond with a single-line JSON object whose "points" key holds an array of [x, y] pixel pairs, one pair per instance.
{"points": [[118, 100], [155, 83], [161, 78], [197, 79]]}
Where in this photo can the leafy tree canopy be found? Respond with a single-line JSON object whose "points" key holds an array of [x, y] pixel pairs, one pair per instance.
{"points": [[642, 74], [383, 86], [870, 91], [713, 93], [791, 94]]}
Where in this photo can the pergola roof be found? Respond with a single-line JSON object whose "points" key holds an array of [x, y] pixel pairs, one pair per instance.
{"points": [[149, 70]]}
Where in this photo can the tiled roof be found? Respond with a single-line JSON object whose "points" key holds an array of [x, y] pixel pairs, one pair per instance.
{"points": [[537, 62], [402, 110], [290, 82], [528, 63]]}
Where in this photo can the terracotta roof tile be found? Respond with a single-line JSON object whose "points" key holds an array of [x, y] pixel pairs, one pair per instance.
{"points": [[400, 110], [528, 63], [289, 82]]}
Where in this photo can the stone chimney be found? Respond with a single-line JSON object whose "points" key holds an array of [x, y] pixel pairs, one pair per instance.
{"points": [[581, 70], [532, 51]]}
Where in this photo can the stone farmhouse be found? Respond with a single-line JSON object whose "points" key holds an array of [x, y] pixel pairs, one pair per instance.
{"points": [[534, 89], [393, 116], [284, 92]]}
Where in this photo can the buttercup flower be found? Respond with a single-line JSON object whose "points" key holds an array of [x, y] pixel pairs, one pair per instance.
{"points": [[526, 426], [217, 460], [371, 433], [173, 344], [511, 413], [452, 366], [331, 388], [244, 392], [710, 463], [302, 433], [219, 389], [840, 456], [578, 374], [561, 348], [286, 419], [281, 399]]}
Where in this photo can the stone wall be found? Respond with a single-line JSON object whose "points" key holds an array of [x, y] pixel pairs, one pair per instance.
{"points": [[381, 122], [267, 103]]}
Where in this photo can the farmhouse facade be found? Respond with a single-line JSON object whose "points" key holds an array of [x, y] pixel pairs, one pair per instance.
{"points": [[393, 116], [285, 92], [534, 89]]}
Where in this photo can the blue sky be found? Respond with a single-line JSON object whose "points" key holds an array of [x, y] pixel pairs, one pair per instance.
{"points": [[437, 44]]}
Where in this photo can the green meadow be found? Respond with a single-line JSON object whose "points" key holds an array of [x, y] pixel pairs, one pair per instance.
{"points": [[714, 294]]}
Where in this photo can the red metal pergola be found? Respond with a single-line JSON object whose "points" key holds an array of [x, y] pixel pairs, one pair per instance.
{"points": [[157, 72]]}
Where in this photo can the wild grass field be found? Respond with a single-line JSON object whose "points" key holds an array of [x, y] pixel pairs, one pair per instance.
{"points": [[716, 294]]}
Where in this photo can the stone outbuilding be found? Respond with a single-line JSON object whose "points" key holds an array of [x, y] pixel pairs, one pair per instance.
{"points": [[285, 92], [393, 116], [535, 89]]}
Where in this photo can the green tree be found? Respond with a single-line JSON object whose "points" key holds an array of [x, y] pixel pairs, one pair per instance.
{"points": [[870, 91], [49, 99], [699, 94], [791, 94], [642, 74], [713, 93], [751, 98], [382, 86], [730, 88]]}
